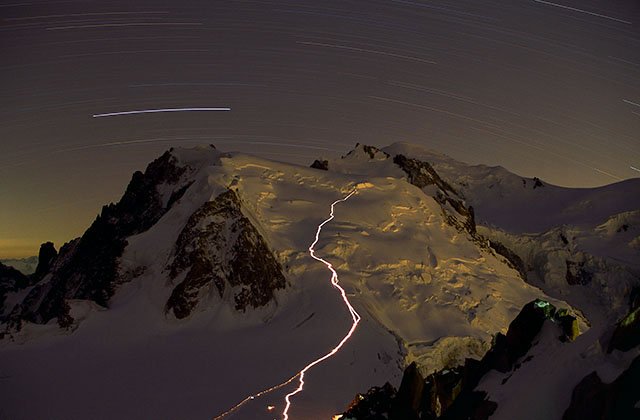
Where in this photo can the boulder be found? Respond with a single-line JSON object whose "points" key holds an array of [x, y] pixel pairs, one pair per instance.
{"points": [[320, 164]]}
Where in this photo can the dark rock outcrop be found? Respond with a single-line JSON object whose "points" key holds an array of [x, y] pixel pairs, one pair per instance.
{"points": [[320, 164], [447, 394], [537, 183], [634, 299], [374, 405], [594, 400], [512, 258], [507, 349], [623, 228], [627, 333], [577, 274], [87, 268], [408, 402], [421, 174], [11, 280], [219, 248], [450, 393], [371, 151], [46, 256]]}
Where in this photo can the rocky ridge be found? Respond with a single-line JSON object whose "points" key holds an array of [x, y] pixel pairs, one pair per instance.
{"points": [[220, 249], [87, 267], [450, 393]]}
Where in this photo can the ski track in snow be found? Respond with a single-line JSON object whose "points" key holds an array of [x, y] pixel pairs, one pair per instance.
{"points": [[354, 316]]}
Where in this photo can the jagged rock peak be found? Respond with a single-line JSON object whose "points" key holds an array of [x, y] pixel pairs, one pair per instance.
{"points": [[46, 256], [446, 394], [87, 268], [320, 164], [422, 175], [507, 349], [11, 280], [369, 152], [220, 250]]}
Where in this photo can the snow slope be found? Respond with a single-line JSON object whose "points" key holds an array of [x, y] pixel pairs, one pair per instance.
{"points": [[578, 245]]}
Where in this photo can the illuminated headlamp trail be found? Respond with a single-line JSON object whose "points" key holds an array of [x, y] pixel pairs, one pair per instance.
{"points": [[354, 316]]}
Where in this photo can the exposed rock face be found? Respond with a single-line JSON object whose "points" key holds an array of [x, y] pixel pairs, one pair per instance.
{"points": [[537, 183], [446, 394], [320, 164], [421, 174], [565, 267], [577, 274], [523, 330], [374, 405], [46, 256], [11, 280], [512, 258], [449, 393], [371, 151], [87, 268], [627, 333], [409, 399], [594, 400], [220, 250]]}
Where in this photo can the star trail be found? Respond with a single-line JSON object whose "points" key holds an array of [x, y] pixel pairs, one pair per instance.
{"points": [[546, 89]]}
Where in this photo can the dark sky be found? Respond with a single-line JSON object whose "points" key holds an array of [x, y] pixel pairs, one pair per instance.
{"points": [[547, 89]]}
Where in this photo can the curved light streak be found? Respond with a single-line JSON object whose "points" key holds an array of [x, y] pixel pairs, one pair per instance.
{"points": [[254, 396], [152, 111], [354, 315]]}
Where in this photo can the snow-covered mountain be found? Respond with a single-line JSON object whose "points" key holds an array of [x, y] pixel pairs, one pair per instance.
{"points": [[577, 245], [197, 289]]}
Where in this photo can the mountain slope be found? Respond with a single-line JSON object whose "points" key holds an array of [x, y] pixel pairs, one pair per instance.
{"points": [[578, 245], [203, 291]]}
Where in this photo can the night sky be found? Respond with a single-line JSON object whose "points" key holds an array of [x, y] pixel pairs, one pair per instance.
{"points": [[547, 89]]}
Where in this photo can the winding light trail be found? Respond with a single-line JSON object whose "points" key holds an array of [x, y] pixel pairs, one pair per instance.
{"points": [[152, 111], [354, 316], [254, 396]]}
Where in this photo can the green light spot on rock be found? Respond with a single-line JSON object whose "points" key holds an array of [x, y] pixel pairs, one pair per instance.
{"points": [[541, 303]]}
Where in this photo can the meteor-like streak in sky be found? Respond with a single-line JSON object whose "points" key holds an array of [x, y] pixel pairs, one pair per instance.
{"points": [[153, 111], [631, 102], [354, 315]]}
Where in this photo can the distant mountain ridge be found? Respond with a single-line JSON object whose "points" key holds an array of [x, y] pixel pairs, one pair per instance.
{"points": [[25, 265]]}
